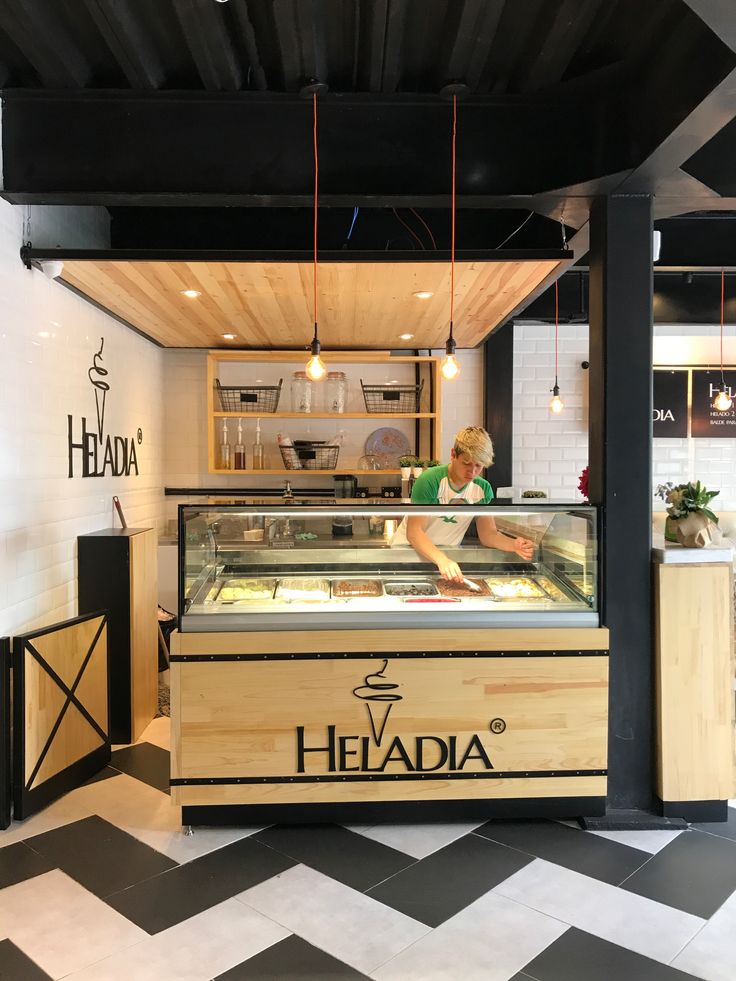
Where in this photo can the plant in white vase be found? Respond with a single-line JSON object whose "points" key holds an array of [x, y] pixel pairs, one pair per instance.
{"points": [[406, 463]]}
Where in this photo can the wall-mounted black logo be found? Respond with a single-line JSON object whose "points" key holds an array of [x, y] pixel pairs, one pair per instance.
{"points": [[98, 454], [417, 754], [669, 411]]}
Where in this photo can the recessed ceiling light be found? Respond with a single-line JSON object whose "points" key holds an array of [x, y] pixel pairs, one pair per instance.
{"points": [[44, 333], [423, 294], [192, 294], [229, 337], [405, 337]]}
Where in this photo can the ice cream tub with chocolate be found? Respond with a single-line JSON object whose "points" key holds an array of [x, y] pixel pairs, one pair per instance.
{"points": [[417, 587], [356, 588], [448, 587]]}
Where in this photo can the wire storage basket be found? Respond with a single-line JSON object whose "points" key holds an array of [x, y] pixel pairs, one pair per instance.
{"points": [[308, 455], [392, 398], [259, 399]]}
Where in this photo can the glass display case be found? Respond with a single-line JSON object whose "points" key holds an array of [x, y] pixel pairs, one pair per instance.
{"points": [[272, 567]]}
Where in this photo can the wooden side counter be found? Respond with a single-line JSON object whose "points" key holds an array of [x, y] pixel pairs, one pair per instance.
{"points": [[694, 669], [363, 724]]}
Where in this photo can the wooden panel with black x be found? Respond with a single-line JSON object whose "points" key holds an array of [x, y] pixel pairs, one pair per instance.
{"points": [[61, 709]]}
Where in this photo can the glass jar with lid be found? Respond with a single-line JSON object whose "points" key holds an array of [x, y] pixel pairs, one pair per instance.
{"points": [[337, 391], [302, 392]]}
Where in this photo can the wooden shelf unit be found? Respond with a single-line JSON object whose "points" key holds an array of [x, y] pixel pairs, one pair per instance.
{"points": [[427, 424]]}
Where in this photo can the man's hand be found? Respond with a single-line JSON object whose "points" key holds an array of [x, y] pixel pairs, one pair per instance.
{"points": [[449, 569], [523, 548]]}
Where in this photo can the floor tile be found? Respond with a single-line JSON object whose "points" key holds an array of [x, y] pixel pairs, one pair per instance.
{"points": [[723, 829], [19, 862], [347, 924], [350, 858], [418, 840], [574, 849], [439, 886], [158, 732], [696, 873], [607, 911], [15, 966], [712, 953], [292, 959], [488, 941], [60, 925], [645, 841], [160, 903], [145, 762], [196, 950], [579, 956], [100, 856], [149, 816], [104, 774], [72, 807]]}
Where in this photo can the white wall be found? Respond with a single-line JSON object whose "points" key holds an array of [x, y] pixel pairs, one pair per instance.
{"points": [[550, 451], [48, 337]]}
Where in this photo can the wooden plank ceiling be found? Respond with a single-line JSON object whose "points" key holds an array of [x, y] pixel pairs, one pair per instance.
{"points": [[364, 305]]}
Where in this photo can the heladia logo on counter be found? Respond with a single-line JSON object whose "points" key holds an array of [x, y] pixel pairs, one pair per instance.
{"points": [[101, 455], [365, 754]]}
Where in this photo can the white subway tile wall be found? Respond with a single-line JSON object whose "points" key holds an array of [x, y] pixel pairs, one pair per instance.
{"points": [[550, 451], [48, 339]]}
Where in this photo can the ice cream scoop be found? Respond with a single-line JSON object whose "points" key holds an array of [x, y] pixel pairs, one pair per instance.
{"points": [[472, 585]]}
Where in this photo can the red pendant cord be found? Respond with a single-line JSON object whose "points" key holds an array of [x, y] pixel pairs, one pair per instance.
{"points": [[557, 321], [316, 187], [452, 234], [723, 288]]}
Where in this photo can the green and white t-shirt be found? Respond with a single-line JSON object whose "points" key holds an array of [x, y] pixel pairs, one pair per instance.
{"points": [[434, 487]]}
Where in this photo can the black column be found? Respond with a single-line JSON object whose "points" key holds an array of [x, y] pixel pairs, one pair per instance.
{"points": [[620, 457], [499, 402]]}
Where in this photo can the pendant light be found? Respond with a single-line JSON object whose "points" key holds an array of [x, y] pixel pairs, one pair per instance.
{"points": [[723, 400], [556, 404], [449, 366], [315, 367]]}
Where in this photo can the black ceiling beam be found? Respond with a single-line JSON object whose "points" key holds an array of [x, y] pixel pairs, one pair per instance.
{"points": [[560, 38], [396, 22], [312, 33], [287, 39], [377, 14], [470, 40], [240, 148], [210, 44], [719, 16], [128, 41], [35, 27], [245, 24]]}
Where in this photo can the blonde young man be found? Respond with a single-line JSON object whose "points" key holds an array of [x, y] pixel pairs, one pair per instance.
{"points": [[457, 483]]}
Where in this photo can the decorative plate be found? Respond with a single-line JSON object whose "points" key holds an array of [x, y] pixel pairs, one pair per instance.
{"points": [[388, 445]]}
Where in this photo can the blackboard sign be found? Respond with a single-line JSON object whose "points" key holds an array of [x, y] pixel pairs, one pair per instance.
{"points": [[669, 410], [705, 420]]}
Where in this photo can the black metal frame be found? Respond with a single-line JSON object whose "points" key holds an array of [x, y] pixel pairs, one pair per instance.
{"points": [[27, 801], [5, 737]]}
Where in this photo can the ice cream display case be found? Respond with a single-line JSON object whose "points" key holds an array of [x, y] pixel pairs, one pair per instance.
{"points": [[271, 567], [323, 671]]}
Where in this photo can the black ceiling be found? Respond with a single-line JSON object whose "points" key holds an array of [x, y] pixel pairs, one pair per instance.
{"points": [[502, 47], [184, 118]]}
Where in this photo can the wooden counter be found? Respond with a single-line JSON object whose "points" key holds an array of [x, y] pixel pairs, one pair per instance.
{"points": [[353, 725]]}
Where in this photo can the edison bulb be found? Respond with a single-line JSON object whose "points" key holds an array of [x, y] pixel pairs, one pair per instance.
{"points": [[449, 367], [556, 404], [315, 368], [723, 401]]}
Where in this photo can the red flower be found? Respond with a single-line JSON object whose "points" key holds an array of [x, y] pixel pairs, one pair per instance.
{"points": [[583, 483]]}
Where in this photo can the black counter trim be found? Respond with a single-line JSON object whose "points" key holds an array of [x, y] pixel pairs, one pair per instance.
{"points": [[415, 811], [362, 655], [385, 777]]}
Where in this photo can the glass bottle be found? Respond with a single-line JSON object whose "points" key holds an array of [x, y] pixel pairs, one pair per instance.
{"points": [[226, 461], [239, 448], [302, 392], [258, 448], [337, 391]]}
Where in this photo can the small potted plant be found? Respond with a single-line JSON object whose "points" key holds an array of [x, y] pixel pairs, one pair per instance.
{"points": [[406, 463], [417, 467], [433, 463], [689, 511]]}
